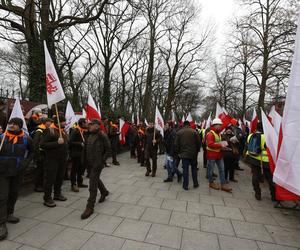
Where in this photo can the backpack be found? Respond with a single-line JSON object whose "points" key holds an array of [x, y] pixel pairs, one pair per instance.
{"points": [[254, 145]]}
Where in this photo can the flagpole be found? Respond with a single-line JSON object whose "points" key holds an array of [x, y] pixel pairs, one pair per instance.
{"points": [[3, 139], [58, 121]]}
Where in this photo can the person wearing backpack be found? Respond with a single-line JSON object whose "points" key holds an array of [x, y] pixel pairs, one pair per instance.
{"points": [[257, 157], [15, 156]]}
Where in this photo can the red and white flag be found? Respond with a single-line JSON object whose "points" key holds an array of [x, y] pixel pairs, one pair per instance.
{"points": [[54, 89], [254, 122], [83, 113], [71, 118], [183, 119], [99, 110], [287, 172], [146, 122], [91, 109], [173, 116], [189, 117], [17, 113], [159, 122], [208, 122], [276, 119]]}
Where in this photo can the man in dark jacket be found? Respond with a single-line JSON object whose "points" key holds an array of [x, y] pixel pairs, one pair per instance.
{"points": [[55, 145], [96, 147], [15, 156], [151, 147], [113, 134], [132, 137], [140, 145], [77, 139], [169, 140], [39, 155], [187, 144]]}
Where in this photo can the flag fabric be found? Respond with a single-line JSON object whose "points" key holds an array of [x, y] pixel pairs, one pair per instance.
{"points": [[146, 122], [137, 119], [254, 122], [183, 119], [173, 116], [189, 117], [159, 122], [276, 119], [123, 128], [83, 113], [222, 114], [132, 118], [71, 118], [91, 109], [54, 89], [17, 112], [219, 110], [208, 121], [287, 172], [99, 110]]}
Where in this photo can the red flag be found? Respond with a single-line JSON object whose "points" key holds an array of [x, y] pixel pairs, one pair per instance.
{"points": [[123, 129], [254, 122], [91, 109]]}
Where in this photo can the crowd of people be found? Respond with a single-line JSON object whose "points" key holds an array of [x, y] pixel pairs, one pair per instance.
{"points": [[89, 144]]}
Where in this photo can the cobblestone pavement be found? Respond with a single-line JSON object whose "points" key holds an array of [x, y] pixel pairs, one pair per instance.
{"points": [[145, 213]]}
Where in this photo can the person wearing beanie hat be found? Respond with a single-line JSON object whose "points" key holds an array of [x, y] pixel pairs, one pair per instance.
{"points": [[54, 142], [15, 155]]}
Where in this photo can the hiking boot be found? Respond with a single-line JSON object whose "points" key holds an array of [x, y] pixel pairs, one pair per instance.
{"points": [[179, 178], [147, 173], [258, 196], [116, 163], [168, 180], [59, 197], [102, 197], [74, 188], [87, 213], [12, 219], [3, 231], [226, 188], [49, 203], [214, 186], [81, 185]]}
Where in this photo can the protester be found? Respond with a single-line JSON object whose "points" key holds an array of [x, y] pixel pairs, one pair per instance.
{"points": [[34, 120], [214, 155], [15, 155], [169, 140], [153, 138], [39, 154], [132, 137], [96, 147], [54, 142], [257, 157], [113, 134], [140, 145], [77, 139]]}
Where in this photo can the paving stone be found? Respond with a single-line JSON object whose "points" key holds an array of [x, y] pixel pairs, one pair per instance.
{"points": [[258, 217], [71, 199], [68, 239], [167, 194], [188, 196], [151, 202], [144, 184], [129, 198], [24, 225], [232, 243], [105, 224], [31, 210], [130, 211], [103, 242], [33, 197], [54, 215], [233, 202], [21, 203], [211, 200], [161, 185], [286, 220], [186, 220], [24, 247], [228, 212], [200, 208], [268, 246], [9, 245], [146, 191], [108, 207], [174, 205], [251, 231], [125, 189], [195, 240], [73, 219], [216, 225], [79, 204], [164, 235], [39, 234], [134, 245], [285, 236], [156, 215], [133, 229]]}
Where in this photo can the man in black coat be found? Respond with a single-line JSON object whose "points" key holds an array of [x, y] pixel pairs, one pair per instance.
{"points": [[15, 156]]}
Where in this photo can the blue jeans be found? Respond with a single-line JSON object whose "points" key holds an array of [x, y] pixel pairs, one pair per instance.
{"points": [[171, 167], [185, 165], [210, 167]]}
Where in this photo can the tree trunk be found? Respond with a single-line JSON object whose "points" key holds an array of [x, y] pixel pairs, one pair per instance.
{"points": [[106, 88]]}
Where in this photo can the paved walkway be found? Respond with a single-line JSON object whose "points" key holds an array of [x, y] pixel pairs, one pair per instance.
{"points": [[145, 213]]}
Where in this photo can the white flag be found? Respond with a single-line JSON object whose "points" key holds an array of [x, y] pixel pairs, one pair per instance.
{"points": [[276, 119], [137, 119], [219, 110], [54, 89], [183, 119], [121, 124], [17, 112], [146, 122], [71, 118], [99, 110], [287, 171], [159, 122], [173, 116], [132, 118], [83, 113], [207, 125], [189, 117]]}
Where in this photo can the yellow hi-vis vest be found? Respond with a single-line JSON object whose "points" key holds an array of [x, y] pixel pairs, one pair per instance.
{"points": [[217, 140], [264, 155]]}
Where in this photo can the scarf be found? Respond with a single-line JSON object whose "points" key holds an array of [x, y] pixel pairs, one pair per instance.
{"points": [[13, 137], [53, 126]]}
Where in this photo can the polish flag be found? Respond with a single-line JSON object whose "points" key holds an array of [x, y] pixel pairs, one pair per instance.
{"points": [[276, 119], [223, 115], [99, 110], [183, 119], [146, 122], [208, 122], [17, 113], [71, 118], [192, 122], [173, 116], [254, 122], [84, 113], [159, 122], [91, 110], [54, 89], [123, 129]]}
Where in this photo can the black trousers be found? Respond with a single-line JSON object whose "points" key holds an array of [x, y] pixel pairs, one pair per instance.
{"points": [[54, 172], [77, 171], [39, 173], [230, 164], [140, 155], [9, 188], [152, 153], [95, 184], [257, 176]]}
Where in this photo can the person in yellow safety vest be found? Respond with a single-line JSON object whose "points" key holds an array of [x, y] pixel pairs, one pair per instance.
{"points": [[257, 157]]}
